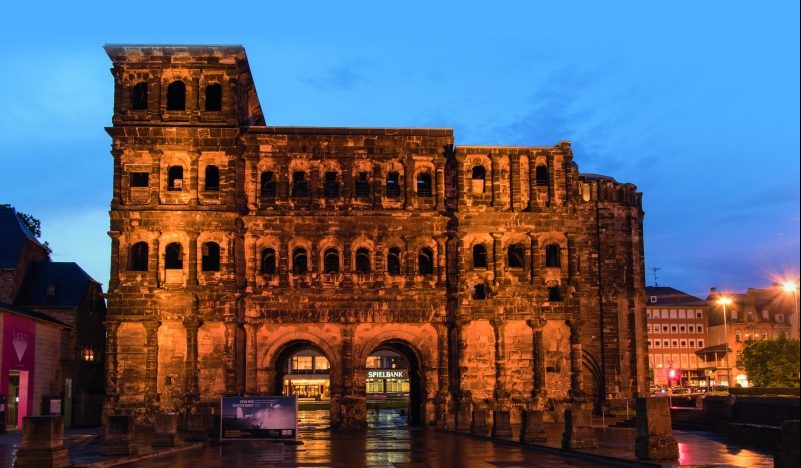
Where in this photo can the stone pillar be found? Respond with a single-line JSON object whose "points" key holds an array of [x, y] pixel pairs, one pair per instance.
{"points": [[192, 263], [441, 267], [443, 394], [533, 264], [194, 170], [197, 428], [576, 384], [112, 390], [166, 430], [551, 181], [313, 258], [409, 181], [410, 260], [461, 190], [578, 429], [501, 426], [117, 263], [533, 204], [154, 266], [497, 258], [378, 186], [654, 435], [252, 359], [494, 180], [514, 182], [532, 429], [539, 391], [42, 443], [119, 436], [283, 262], [353, 404], [479, 423], [230, 351], [347, 263], [151, 365], [283, 177], [347, 182], [254, 267], [192, 389], [439, 183]]}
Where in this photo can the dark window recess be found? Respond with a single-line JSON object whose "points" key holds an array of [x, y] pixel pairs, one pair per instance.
{"points": [[393, 185], [331, 185], [331, 261], [140, 179], [176, 96], [362, 186], [137, 260], [541, 175], [175, 178], [394, 261], [362, 261], [173, 257], [552, 256], [212, 179], [268, 262], [479, 292], [516, 256], [479, 173], [139, 96], [424, 185], [479, 256], [267, 184], [210, 260], [425, 262], [300, 186], [300, 265], [214, 97], [554, 294]]}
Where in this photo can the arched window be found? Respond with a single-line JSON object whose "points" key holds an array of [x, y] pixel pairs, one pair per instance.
{"points": [[554, 294], [175, 178], [210, 260], [424, 184], [212, 179], [331, 185], [268, 262], [394, 261], [479, 256], [541, 175], [176, 96], [137, 260], [300, 264], [267, 184], [478, 178], [362, 186], [393, 185], [331, 261], [214, 97], [553, 256], [300, 186], [515, 254], [139, 96], [362, 261], [425, 261], [479, 292], [173, 256]]}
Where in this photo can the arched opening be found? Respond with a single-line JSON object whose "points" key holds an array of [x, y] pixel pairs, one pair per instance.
{"points": [[516, 257], [300, 186], [212, 179], [479, 292], [478, 177], [479, 256], [176, 96], [592, 382], [268, 184], [425, 261], [214, 97], [175, 178], [394, 261], [424, 185], [541, 176], [173, 256], [395, 386], [331, 261], [300, 264], [553, 256], [331, 185], [362, 261], [393, 185], [210, 259], [139, 96], [362, 185], [303, 370], [268, 261], [137, 260]]}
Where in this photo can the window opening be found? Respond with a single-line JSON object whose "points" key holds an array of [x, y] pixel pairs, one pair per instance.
{"points": [[552, 256], [139, 96], [268, 261], [479, 179], [214, 97], [173, 257], [138, 257], [267, 184], [516, 256], [554, 294], [479, 256], [393, 185], [175, 178], [212, 179], [425, 262], [299, 262], [140, 179], [331, 261], [210, 260], [176, 96], [541, 176], [300, 186], [424, 185], [362, 261], [362, 186], [331, 185], [394, 261], [479, 292]]}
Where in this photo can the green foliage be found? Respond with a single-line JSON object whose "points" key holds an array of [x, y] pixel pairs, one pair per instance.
{"points": [[31, 222], [773, 363]]}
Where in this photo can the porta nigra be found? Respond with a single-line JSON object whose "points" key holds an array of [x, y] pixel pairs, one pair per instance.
{"points": [[504, 277]]}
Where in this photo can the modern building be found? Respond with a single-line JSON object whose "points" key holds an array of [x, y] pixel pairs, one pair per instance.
{"points": [[504, 277], [677, 327], [758, 314]]}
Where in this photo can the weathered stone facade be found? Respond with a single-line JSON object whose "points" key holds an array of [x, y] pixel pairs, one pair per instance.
{"points": [[508, 279]]}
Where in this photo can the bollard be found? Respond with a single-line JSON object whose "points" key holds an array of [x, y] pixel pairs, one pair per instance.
{"points": [[578, 429], [479, 424], [119, 436], [501, 426], [532, 430], [42, 443], [654, 435], [197, 428], [166, 428]]}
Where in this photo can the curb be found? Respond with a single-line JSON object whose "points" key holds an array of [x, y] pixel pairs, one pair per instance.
{"points": [[136, 458]]}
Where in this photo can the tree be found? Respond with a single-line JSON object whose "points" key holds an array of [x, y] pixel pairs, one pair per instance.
{"points": [[772, 363], [32, 223]]}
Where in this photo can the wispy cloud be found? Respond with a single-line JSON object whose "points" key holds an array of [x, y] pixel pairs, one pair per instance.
{"points": [[342, 77]]}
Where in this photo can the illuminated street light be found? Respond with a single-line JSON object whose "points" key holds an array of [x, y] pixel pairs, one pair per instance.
{"points": [[724, 301], [791, 287]]}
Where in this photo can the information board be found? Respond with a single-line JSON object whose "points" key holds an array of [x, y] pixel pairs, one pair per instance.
{"points": [[259, 417]]}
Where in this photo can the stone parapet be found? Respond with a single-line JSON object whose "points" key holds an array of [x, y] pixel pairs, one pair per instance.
{"points": [[166, 430], [578, 429], [119, 436], [532, 429], [42, 443], [654, 435]]}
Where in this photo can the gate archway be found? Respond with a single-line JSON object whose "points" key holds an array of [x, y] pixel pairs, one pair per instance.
{"points": [[397, 406]]}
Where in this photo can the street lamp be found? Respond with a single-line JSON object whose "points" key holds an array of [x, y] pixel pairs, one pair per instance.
{"points": [[724, 301], [790, 287]]}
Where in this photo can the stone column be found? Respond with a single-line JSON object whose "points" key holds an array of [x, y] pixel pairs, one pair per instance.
{"points": [[255, 268], [439, 183], [315, 195], [194, 177], [151, 366], [654, 434], [347, 276], [551, 180], [378, 186], [443, 394], [353, 404], [314, 263], [283, 177], [533, 264], [532, 429], [154, 265], [192, 389], [497, 258], [347, 181], [514, 182], [409, 181], [539, 392], [500, 420], [579, 433], [117, 263], [410, 260], [253, 356], [576, 384], [533, 204], [112, 390], [495, 182], [461, 190], [230, 351], [441, 258], [283, 262], [192, 262], [572, 256], [464, 417]]}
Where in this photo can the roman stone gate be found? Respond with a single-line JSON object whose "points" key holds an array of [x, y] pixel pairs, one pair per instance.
{"points": [[250, 259]]}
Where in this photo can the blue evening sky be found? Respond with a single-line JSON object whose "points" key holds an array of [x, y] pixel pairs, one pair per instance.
{"points": [[697, 103]]}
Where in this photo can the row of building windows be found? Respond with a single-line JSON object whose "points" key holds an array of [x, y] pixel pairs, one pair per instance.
{"points": [[174, 257], [676, 344], [674, 328], [740, 336], [674, 314], [175, 179], [677, 361], [176, 96]]}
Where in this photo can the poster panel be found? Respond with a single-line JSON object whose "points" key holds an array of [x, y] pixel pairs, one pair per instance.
{"points": [[259, 417]]}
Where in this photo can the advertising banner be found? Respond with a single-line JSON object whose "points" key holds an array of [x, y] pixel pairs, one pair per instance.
{"points": [[259, 417]]}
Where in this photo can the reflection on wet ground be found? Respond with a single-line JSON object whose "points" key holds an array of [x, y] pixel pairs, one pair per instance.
{"points": [[387, 443]]}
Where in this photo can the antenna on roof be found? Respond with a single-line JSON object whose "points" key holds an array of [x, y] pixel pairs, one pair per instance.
{"points": [[654, 270]]}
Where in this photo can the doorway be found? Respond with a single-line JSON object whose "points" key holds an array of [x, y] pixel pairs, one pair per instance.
{"points": [[394, 386], [17, 401]]}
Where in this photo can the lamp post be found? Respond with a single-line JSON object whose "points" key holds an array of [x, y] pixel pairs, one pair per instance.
{"points": [[724, 301], [791, 287]]}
